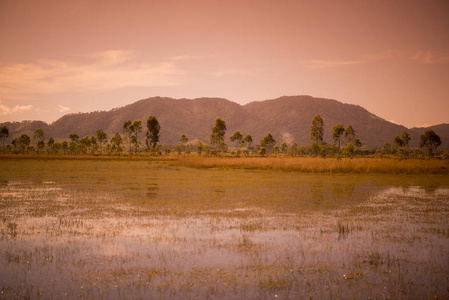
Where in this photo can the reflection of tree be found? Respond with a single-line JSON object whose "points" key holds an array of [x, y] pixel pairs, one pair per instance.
{"points": [[430, 189], [406, 188], [317, 192], [152, 190], [342, 191]]}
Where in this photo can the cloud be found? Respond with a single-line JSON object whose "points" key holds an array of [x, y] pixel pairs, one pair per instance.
{"points": [[383, 55], [326, 64], [429, 57], [226, 72], [5, 110], [426, 57], [367, 58], [188, 57], [103, 71], [63, 109], [113, 56]]}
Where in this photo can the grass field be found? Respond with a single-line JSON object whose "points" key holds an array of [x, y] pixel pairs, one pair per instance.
{"points": [[306, 164], [187, 228], [321, 165]]}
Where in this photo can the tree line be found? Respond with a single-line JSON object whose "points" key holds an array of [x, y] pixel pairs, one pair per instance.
{"points": [[345, 142]]}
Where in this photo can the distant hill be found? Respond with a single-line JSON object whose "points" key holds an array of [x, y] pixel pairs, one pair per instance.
{"points": [[287, 118]]}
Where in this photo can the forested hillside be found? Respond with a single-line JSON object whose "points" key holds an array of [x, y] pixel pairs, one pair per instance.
{"points": [[287, 118]]}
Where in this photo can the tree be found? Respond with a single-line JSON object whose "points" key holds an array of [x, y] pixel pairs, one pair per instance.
{"points": [[248, 140], [350, 135], [85, 144], [200, 147], [94, 144], [128, 132], [405, 138], [317, 132], [65, 147], [386, 149], [4, 133], [349, 149], [183, 139], [93, 140], [284, 147], [267, 143], [237, 136], [24, 142], [101, 137], [74, 137], [430, 141], [317, 129], [136, 128], [39, 138], [40, 145], [50, 144], [38, 135], [56, 147], [336, 135], [294, 149], [178, 149], [73, 145], [398, 142], [218, 132], [153, 129], [116, 143]]}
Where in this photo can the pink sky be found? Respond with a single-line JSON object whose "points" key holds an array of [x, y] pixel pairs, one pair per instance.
{"points": [[59, 57]]}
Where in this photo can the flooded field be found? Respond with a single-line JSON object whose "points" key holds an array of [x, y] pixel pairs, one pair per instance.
{"points": [[136, 229]]}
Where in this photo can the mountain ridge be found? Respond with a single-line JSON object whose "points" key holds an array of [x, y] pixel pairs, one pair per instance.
{"points": [[286, 118]]}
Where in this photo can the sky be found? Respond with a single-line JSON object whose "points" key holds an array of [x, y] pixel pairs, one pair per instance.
{"points": [[61, 57]]}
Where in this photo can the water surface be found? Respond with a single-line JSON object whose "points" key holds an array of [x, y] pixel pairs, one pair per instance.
{"points": [[138, 229]]}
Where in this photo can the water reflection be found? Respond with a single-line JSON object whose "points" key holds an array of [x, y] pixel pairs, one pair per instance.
{"points": [[129, 230], [317, 192], [152, 190]]}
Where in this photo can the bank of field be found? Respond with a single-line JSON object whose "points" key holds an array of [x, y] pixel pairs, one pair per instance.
{"points": [[320, 165], [145, 228], [306, 164]]}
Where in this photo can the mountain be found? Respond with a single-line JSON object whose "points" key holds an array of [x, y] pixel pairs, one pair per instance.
{"points": [[287, 118]]}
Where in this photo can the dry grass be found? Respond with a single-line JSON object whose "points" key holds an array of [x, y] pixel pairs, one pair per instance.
{"points": [[358, 165], [320, 165]]}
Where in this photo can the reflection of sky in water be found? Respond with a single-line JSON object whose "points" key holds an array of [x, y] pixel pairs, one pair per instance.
{"points": [[416, 191], [312, 228]]}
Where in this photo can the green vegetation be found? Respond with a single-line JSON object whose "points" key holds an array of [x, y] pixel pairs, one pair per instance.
{"points": [[336, 135], [267, 144], [316, 133], [4, 133], [101, 137], [218, 134], [153, 129], [99, 145], [429, 141]]}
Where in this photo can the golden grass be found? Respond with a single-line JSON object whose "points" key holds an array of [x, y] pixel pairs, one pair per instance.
{"points": [[358, 165], [320, 165]]}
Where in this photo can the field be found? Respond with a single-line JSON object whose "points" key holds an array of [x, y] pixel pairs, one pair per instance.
{"points": [[214, 228]]}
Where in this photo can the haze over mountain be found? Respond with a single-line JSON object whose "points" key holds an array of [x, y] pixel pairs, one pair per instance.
{"points": [[286, 118]]}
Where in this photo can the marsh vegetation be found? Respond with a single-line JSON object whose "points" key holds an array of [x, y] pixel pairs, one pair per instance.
{"points": [[159, 229]]}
